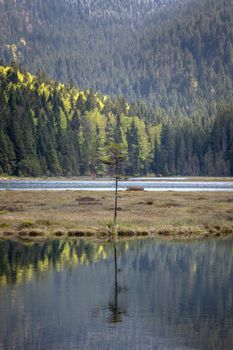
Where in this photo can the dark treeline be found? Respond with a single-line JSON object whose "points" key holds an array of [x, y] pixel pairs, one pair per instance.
{"points": [[47, 128], [175, 54]]}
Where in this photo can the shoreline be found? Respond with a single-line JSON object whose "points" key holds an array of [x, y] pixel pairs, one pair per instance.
{"points": [[108, 178], [173, 235]]}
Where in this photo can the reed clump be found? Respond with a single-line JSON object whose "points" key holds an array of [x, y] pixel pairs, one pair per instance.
{"points": [[85, 232], [26, 224], [31, 233], [130, 232]]}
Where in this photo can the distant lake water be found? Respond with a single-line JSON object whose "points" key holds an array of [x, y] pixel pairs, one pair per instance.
{"points": [[159, 295], [149, 184]]}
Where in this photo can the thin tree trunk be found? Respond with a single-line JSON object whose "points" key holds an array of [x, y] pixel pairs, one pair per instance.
{"points": [[116, 193]]}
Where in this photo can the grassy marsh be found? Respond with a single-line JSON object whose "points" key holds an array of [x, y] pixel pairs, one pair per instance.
{"points": [[45, 214]]}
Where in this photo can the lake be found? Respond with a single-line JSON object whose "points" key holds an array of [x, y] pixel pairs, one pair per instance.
{"points": [[154, 295], [156, 184]]}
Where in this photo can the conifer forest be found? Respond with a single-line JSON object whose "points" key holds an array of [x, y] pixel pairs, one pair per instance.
{"points": [[155, 76]]}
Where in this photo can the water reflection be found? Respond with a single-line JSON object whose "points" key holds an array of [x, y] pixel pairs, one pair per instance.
{"points": [[139, 295], [116, 309], [20, 262]]}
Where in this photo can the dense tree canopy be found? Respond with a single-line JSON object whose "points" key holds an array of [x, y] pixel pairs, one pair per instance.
{"points": [[174, 54], [47, 128]]}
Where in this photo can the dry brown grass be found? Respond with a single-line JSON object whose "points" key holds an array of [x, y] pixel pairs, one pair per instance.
{"points": [[78, 214]]}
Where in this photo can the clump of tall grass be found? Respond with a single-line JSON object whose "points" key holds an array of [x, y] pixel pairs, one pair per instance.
{"points": [[27, 223], [31, 233], [59, 233], [85, 232]]}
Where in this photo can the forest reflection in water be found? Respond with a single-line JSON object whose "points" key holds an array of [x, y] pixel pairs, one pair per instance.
{"points": [[144, 294]]}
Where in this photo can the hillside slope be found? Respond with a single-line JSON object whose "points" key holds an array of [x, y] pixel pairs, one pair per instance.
{"points": [[176, 54]]}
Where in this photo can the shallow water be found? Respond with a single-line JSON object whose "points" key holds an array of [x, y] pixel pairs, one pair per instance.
{"points": [[99, 185], [162, 295]]}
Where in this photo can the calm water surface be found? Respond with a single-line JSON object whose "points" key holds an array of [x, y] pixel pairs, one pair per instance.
{"points": [[149, 184], [162, 295]]}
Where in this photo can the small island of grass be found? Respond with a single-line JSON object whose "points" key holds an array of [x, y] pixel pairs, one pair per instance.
{"points": [[49, 214]]}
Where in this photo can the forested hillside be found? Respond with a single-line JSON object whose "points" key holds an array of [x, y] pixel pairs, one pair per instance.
{"points": [[47, 128], [174, 54]]}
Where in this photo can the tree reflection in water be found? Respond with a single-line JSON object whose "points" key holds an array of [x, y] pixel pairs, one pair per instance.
{"points": [[116, 309]]}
